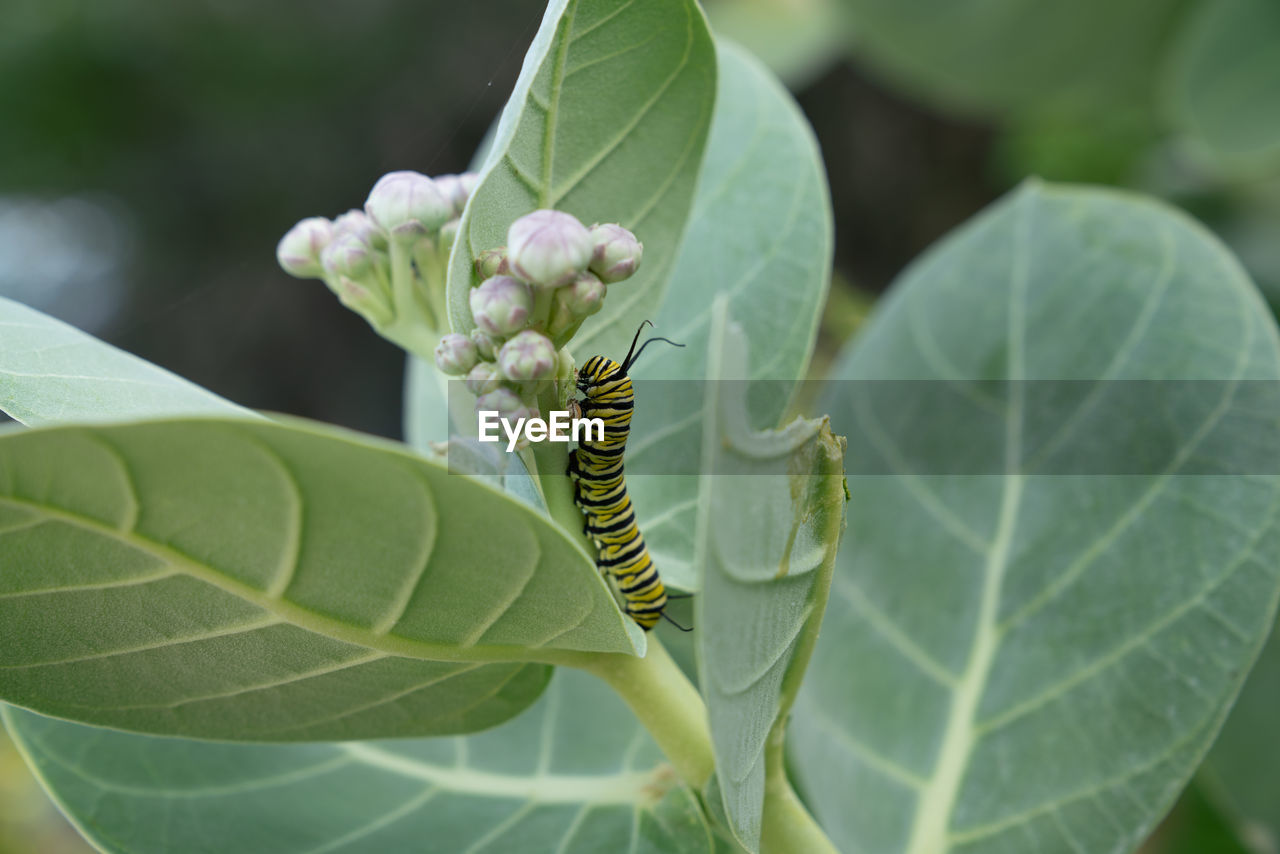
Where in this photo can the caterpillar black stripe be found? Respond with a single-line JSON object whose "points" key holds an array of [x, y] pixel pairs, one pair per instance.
{"points": [[600, 488]]}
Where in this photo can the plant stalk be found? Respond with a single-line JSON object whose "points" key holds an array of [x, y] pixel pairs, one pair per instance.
{"points": [[667, 704], [787, 826]]}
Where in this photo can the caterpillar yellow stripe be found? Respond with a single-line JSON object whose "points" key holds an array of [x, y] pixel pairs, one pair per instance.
{"points": [[600, 487]]}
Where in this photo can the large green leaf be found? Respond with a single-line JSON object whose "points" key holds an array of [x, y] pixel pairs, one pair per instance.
{"points": [[94, 381], [574, 774], [1017, 54], [760, 234], [608, 122], [1019, 660], [764, 584], [1242, 772], [52, 373], [1226, 78], [798, 39], [249, 580]]}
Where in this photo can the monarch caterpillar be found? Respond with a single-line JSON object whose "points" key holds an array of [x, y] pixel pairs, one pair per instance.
{"points": [[600, 488]]}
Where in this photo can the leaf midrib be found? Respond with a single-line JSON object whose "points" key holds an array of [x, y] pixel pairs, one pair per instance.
{"points": [[937, 802], [540, 787], [291, 612]]}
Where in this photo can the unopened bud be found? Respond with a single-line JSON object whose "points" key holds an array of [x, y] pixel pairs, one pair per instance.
{"points": [[485, 345], [448, 233], [483, 378], [347, 255], [528, 356], [470, 180], [455, 190], [357, 223], [616, 252], [548, 248], [492, 262], [501, 305], [299, 250], [364, 301], [584, 297], [502, 400], [456, 354], [408, 205]]}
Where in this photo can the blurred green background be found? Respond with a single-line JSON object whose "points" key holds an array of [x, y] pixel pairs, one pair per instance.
{"points": [[151, 155]]}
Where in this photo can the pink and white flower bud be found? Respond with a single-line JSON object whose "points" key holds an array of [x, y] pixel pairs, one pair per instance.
{"points": [[470, 180], [501, 305], [357, 223], [453, 189], [299, 250], [485, 345], [348, 256], [492, 262], [584, 297], [548, 248], [504, 401], [528, 356], [483, 378], [616, 252], [408, 205], [456, 354]]}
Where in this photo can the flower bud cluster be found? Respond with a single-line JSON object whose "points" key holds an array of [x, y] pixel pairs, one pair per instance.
{"points": [[387, 261], [534, 294]]}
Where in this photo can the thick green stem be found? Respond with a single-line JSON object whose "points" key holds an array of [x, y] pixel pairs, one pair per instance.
{"points": [[551, 460], [787, 827], [432, 263], [666, 703], [654, 687], [404, 290]]}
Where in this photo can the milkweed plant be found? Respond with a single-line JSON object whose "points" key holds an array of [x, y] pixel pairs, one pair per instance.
{"points": [[953, 595]]}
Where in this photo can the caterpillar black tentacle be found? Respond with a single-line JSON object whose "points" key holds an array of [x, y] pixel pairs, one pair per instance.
{"points": [[600, 489]]}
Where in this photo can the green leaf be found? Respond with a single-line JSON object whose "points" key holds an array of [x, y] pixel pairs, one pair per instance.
{"points": [[426, 405], [52, 373], [94, 381], [1225, 78], [764, 585], [1034, 661], [1197, 825], [797, 39], [574, 774], [761, 235], [1242, 772], [1015, 54], [250, 580], [608, 122]]}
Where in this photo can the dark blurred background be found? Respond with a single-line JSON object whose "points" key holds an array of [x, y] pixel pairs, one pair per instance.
{"points": [[151, 155]]}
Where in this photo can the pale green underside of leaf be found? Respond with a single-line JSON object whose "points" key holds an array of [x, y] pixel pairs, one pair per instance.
{"points": [[1017, 54], [575, 774], [763, 585], [60, 373], [760, 235], [426, 405], [1033, 662], [52, 373], [1226, 79], [608, 122], [214, 578]]}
